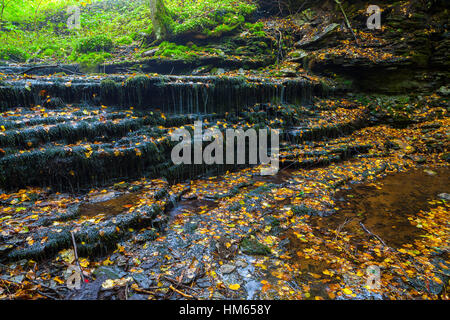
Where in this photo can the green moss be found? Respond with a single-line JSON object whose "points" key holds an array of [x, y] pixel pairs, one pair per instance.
{"points": [[125, 40], [174, 51], [96, 43], [251, 246], [91, 60]]}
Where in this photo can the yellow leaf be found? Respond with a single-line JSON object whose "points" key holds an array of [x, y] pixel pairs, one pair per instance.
{"points": [[234, 286], [347, 291]]}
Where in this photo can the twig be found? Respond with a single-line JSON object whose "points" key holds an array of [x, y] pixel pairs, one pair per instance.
{"points": [[346, 20], [46, 295], [76, 256], [180, 292], [372, 234], [48, 66], [156, 294], [338, 230], [178, 284]]}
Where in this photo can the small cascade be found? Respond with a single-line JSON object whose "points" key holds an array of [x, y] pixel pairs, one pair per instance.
{"points": [[170, 94]]}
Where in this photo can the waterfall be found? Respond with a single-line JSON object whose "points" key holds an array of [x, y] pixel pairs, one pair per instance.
{"points": [[175, 94]]}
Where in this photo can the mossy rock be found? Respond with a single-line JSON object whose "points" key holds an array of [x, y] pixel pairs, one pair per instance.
{"points": [[303, 210], [251, 246]]}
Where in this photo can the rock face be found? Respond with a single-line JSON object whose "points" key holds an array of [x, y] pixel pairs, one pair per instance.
{"points": [[319, 39], [409, 53]]}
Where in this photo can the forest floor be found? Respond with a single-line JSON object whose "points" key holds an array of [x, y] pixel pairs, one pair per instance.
{"points": [[362, 190]]}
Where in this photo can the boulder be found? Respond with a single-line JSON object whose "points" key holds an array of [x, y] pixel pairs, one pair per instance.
{"points": [[319, 37]]}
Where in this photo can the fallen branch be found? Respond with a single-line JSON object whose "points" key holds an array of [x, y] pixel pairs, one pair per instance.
{"points": [[178, 284], [181, 293], [46, 295], [76, 256], [372, 234], [346, 20], [47, 66], [145, 291]]}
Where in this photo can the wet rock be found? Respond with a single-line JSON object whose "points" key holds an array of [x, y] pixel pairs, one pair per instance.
{"points": [[109, 272], [416, 158], [204, 283], [430, 172], [297, 55], [319, 37], [149, 264], [89, 291], [201, 70], [289, 72], [5, 249], [444, 196], [303, 210], [241, 264], [391, 145], [252, 246], [147, 235], [143, 281], [138, 296], [190, 227], [150, 53], [444, 90], [195, 271], [102, 197], [227, 268], [217, 296], [225, 248], [218, 71]]}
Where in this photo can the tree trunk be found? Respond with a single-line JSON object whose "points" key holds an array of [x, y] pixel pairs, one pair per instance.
{"points": [[162, 22]]}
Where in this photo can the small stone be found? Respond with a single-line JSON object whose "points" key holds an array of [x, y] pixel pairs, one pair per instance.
{"points": [[444, 196], [150, 53], [203, 283], [109, 272], [287, 72], [241, 264], [227, 268]]}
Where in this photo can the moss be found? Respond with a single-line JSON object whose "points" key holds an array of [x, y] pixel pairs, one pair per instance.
{"points": [[91, 61], [303, 210], [98, 43], [125, 40], [221, 30], [251, 246]]}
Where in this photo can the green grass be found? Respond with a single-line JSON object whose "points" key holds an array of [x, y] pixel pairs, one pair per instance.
{"points": [[41, 32]]}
